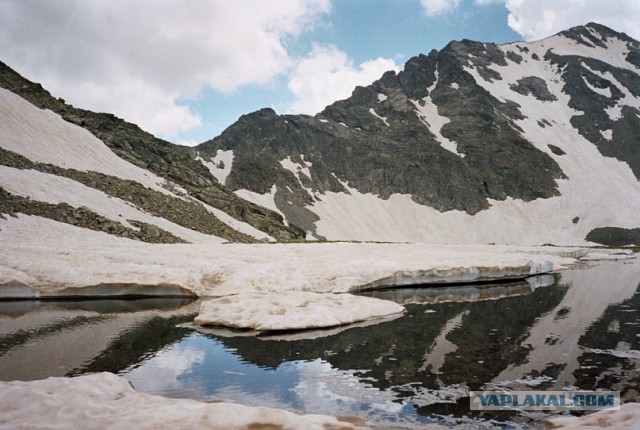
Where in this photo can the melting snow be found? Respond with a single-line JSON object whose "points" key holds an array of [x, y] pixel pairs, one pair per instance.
{"points": [[587, 194], [265, 200], [47, 255], [607, 134], [602, 91], [56, 189], [43, 136], [381, 97], [428, 114], [297, 168], [633, 354], [235, 224], [381, 118], [615, 112], [220, 165], [615, 54]]}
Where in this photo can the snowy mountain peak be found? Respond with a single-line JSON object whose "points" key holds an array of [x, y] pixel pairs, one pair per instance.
{"points": [[522, 143], [477, 142]]}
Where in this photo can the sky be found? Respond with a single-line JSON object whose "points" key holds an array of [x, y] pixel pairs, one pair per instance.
{"points": [[186, 70]]}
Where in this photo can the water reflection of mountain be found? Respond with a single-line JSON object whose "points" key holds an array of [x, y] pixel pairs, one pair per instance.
{"points": [[432, 294], [401, 351], [515, 338], [581, 331], [561, 339], [611, 345], [430, 348], [39, 339]]}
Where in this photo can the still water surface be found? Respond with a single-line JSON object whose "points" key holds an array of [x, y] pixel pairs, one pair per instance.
{"points": [[579, 328]]}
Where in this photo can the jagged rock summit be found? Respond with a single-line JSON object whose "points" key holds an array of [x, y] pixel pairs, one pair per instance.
{"points": [[527, 142]]}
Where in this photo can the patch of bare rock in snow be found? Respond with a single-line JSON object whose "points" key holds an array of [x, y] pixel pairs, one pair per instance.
{"points": [[107, 401]]}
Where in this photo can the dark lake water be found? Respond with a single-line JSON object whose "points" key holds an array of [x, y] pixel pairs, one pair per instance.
{"points": [[579, 328]]}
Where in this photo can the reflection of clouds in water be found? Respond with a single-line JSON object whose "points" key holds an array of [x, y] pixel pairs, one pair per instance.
{"points": [[323, 389], [319, 388], [159, 374], [265, 399], [555, 335]]}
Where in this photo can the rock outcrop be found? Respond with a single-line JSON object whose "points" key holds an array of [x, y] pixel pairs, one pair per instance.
{"points": [[475, 128]]}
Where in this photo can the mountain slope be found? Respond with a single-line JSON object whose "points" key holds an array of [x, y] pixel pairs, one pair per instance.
{"points": [[99, 172], [525, 143]]}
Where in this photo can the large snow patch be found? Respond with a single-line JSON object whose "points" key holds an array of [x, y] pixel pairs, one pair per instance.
{"points": [[292, 310], [49, 256]]}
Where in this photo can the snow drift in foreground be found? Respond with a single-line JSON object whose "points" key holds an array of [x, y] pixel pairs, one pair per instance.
{"points": [[106, 401], [292, 310]]}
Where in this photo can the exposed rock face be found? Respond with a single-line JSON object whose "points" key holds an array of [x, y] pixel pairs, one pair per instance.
{"points": [[535, 86], [403, 156], [452, 131], [615, 236]]}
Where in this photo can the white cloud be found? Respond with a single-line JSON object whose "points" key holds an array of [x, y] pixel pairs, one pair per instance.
{"points": [[139, 59], [189, 142], [536, 19], [439, 7], [487, 2], [327, 75]]}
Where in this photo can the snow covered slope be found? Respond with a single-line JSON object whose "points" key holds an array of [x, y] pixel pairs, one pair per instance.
{"points": [[523, 143], [54, 165]]}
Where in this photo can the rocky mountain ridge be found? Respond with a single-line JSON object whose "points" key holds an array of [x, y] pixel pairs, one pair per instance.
{"points": [[523, 143], [191, 184], [473, 143]]}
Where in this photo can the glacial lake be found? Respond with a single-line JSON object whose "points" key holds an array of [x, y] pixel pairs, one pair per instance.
{"points": [[578, 328]]}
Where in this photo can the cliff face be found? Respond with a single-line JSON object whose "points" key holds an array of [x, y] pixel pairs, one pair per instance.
{"points": [[475, 143]]}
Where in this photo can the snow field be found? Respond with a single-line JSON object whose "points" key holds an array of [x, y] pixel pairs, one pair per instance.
{"points": [[258, 286], [54, 189], [43, 136]]}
